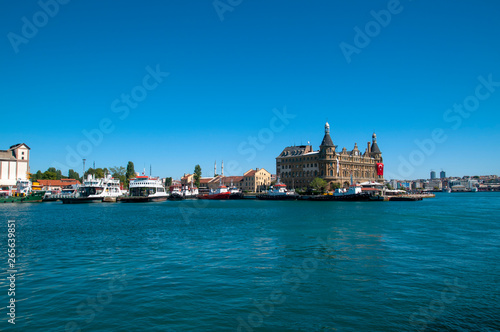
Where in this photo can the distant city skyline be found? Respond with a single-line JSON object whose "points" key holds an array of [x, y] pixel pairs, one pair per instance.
{"points": [[175, 84]]}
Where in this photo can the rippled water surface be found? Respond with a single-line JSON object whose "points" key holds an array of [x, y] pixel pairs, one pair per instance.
{"points": [[256, 265]]}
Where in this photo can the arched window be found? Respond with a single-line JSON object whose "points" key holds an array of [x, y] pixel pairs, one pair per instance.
{"points": [[331, 173]]}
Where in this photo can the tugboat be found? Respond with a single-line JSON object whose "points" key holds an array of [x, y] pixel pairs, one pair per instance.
{"points": [[24, 194], [235, 193], [175, 193], [279, 193], [94, 191], [145, 189], [190, 192], [220, 193], [353, 193]]}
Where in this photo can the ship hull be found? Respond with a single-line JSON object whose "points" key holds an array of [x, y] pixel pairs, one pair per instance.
{"points": [[267, 197], [141, 199], [341, 198], [33, 198], [216, 196], [175, 197], [81, 200]]}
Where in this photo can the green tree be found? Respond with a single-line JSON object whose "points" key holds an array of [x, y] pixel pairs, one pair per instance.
{"points": [[37, 176], [73, 175], [48, 175], [130, 171], [89, 171], [197, 175], [319, 184], [99, 173], [168, 182], [119, 172]]}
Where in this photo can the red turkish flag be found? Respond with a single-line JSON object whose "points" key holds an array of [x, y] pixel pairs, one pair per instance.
{"points": [[380, 169]]}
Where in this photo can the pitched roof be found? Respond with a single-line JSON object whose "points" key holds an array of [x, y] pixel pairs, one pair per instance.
{"points": [[327, 140], [62, 182], [234, 178], [18, 145], [375, 148], [7, 155], [251, 173]]}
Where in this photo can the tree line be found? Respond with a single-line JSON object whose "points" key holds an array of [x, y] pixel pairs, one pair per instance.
{"points": [[117, 172]]}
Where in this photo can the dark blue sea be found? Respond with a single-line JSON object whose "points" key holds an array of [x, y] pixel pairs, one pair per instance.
{"points": [[431, 265]]}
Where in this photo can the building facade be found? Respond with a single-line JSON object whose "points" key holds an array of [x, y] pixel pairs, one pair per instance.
{"points": [[297, 166], [256, 180], [14, 164]]}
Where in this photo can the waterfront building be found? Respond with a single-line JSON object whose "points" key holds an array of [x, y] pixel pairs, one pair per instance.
{"points": [[14, 165], [252, 180], [256, 180], [58, 185], [435, 184], [186, 179], [297, 166]]}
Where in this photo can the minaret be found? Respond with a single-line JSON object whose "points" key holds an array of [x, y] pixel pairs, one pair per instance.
{"points": [[222, 169], [215, 167]]}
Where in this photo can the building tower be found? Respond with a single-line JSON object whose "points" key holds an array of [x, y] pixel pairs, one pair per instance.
{"points": [[433, 175], [326, 156], [442, 175], [375, 151]]}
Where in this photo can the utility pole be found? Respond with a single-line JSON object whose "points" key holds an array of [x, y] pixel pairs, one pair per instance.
{"points": [[83, 175]]}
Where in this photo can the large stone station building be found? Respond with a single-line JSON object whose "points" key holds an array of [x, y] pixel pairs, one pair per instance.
{"points": [[297, 166]]}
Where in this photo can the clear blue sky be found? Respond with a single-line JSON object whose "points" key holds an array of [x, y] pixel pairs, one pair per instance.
{"points": [[226, 77]]}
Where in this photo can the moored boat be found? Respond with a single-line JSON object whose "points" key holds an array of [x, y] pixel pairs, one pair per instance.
{"points": [[145, 189], [94, 191], [220, 193], [23, 194], [353, 193], [235, 193], [175, 193], [279, 192]]}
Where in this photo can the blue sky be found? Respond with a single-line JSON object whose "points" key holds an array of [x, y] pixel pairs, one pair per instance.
{"points": [[227, 79]]}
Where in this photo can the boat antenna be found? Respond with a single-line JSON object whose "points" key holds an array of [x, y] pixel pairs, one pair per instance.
{"points": [[150, 170]]}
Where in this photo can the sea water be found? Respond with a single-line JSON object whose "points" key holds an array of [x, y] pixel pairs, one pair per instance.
{"points": [[249, 265]]}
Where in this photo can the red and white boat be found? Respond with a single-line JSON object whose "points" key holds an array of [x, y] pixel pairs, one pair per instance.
{"points": [[220, 193]]}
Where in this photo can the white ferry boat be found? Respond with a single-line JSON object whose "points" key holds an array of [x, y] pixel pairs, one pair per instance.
{"points": [[94, 190], [145, 189]]}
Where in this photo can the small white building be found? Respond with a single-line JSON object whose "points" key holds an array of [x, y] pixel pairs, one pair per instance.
{"points": [[14, 164]]}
